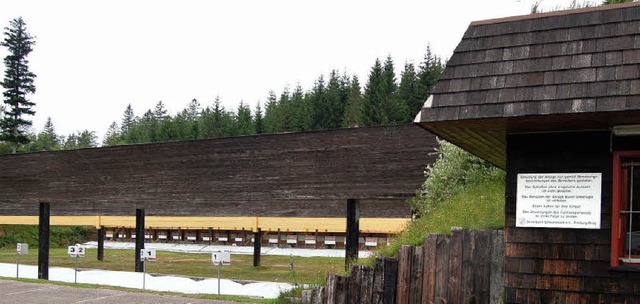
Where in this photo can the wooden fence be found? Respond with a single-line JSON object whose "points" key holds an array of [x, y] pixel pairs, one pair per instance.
{"points": [[464, 267]]}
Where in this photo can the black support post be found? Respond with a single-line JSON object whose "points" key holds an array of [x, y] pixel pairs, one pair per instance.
{"points": [[100, 244], [257, 245], [139, 239], [43, 242], [353, 231]]}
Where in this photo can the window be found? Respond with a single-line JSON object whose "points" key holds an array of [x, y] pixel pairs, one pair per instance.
{"points": [[625, 244]]}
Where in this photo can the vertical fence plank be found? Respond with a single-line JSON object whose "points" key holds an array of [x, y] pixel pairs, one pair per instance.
{"points": [[417, 268], [360, 284], [469, 263], [378, 281], [404, 274], [497, 266], [429, 269], [483, 266], [390, 280], [355, 282], [342, 290], [442, 268], [331, 288], [366, 284], [455, 265]]}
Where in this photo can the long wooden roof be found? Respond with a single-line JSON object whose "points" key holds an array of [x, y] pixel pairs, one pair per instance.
{"points": [[560, 71], [308, 174]]}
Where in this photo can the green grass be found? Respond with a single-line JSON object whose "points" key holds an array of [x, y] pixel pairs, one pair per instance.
{"points": [[308, 270], [478, 206], [60, 236]]}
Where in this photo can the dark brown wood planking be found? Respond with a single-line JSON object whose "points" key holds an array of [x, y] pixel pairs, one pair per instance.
{"points": [[307, 174]]}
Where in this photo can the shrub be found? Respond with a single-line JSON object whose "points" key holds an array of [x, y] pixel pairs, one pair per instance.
{"points": [[453, 170]]}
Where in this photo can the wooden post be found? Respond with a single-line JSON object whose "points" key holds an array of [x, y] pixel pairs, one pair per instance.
{"points": [[257, 245], [404, 274], [353, 231], [139, 239], [455, 266], [100, 244], [442, 268], [429, 275], [43, 241], [496, 280], [390, 280], [416, 274]]}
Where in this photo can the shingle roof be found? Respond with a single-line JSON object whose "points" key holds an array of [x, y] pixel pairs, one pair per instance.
{"points": [[509, 75]]}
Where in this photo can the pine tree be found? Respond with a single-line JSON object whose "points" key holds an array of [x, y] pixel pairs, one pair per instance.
{"points": [[408, 91], [318, 103], [353, 112], [112, 137], [284, 112], [193, 109], [160, 112], [71, 142], [47, 140], [302, 116], [394, 110], [428, 73], [128, 118], [271, 114], [335, 102], [373, 97], [243, 122], [86, 139], [258, 122], [18, 83]]}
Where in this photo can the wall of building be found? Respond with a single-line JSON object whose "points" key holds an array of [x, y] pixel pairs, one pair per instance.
{"points": [[548, 265], [307, 174]]}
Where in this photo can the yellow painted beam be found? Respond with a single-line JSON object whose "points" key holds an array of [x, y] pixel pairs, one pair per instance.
{"points": [[284, 224]]}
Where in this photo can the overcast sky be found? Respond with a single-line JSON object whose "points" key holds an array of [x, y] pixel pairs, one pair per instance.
{"points": [[92, 58]]}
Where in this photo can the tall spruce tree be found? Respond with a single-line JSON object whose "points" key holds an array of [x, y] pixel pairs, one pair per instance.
{"points": [[271, 113], [408, 91], [17, 83], [373, 96], [160, 112], [47, 140], [112, 137], [128, 118], [428, 73], [243, 120], [353, 112], [318, 102], [302, 115], [258, 122]]}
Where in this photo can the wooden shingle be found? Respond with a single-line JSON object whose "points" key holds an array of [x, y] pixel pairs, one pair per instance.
{"points": [[569, 62]]}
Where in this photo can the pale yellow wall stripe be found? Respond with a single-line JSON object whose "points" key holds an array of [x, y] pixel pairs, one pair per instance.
{"points": [[285, 224]]}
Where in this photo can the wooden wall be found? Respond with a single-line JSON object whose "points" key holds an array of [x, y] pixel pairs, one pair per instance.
{"points": [[546, 265], [308, 174]]}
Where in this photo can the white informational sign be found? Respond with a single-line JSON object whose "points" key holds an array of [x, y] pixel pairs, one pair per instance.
{"points": [[76, 251], [22, 248], [559, 200], [221, 258], [148, 255]]}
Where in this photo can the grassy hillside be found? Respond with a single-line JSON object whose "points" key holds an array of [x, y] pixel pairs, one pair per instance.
{"points": [[460, 190], [477, 206]]}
